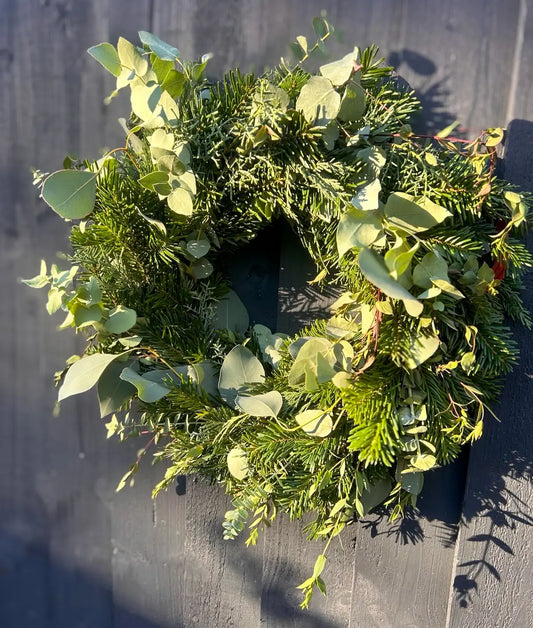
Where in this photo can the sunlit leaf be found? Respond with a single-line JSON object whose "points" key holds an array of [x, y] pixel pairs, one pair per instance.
{"points": [[357, 229], [239, 370], [159, 47], [237, 461], [262, 405], [318, 101], [315, 422], [84, 373], [374, 269], [107, 56], [70, 193], [421, 349], [413, 214], [338, 72], [120, 319]]}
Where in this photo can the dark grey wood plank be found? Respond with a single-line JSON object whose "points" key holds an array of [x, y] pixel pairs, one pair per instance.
{"points": [[222, 579], [49, 468], [288, 556], [459, 56], [494, 572]]}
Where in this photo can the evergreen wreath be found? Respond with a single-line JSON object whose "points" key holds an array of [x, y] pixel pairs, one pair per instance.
{"points": [[421, 238]]}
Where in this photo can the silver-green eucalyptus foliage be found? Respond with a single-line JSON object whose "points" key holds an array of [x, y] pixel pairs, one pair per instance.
{"points": [[419, 236]]}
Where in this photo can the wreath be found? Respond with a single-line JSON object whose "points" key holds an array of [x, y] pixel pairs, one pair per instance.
{"points": [[421, 239]]}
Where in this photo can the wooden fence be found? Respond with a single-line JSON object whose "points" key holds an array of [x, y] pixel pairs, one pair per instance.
{"points": [[73, 553]]}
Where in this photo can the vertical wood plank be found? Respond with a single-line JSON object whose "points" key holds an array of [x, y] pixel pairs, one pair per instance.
{"points": [[494, 572], [54, 546], [288, 556]]}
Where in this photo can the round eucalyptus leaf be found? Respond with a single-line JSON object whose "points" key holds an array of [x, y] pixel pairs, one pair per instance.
{"points": [[315, 422], [239, 369], [375, 494], [265, 404], [120, 320], [318, 101], [237, 461], [201, 268], [412, 482], [70, 193], [180, 202], [198, 248], [338, 72]]}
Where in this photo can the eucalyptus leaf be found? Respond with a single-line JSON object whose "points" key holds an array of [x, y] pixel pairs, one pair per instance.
{"points": [[237, 462], [107, 56], [413, 214], [353, 103], [90, 292], [84, 316], [239, 370], [424, 462], [398, 259], [357, 229], [161, 139], [198, 248], [113, 392], [263, 405], [367, 198], [231, 314], [375, 494], [313, 365], [187, 180], [374, 269], [331, 134], [201, 268], [448, 288], [315, 422], [131, 58], [159, 47], [412, 482], [206, 376], [120, 319], [171, 164], [318, 101], [156, 177], [70, 193], [342, 379], [145, 101], [338, 72], [84, 373], [148, 390], [180, 202], [421, 349]]}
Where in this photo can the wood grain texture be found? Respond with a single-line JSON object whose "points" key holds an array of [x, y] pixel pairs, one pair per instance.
{"points": [[492, 583], [72, 552], [288, 556]]}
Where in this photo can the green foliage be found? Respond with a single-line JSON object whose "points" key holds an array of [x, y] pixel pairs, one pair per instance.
{"points": [[420, 235]]}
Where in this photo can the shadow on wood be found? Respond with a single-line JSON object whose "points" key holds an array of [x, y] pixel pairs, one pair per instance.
{"points": [[495, 542]]}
